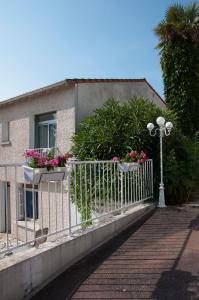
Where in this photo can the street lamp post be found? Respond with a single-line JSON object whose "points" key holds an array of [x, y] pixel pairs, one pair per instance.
{"points": [[164, 129]]}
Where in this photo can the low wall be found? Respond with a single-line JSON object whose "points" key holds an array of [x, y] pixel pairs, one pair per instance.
{"points": [[24, 273]]}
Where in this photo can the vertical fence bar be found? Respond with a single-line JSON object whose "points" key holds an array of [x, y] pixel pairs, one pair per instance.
{"points": [[81, 198], [95, 187], [33, 207], [86, 198], [111, 172], [25, 210], [91, 200], [141, 181], [103, 188], [69, 202], [62, 203], [136, 173], [151, 164], [6, 203], [129, 189], [55, 206], [41, 199], [146, 179], [75, 184], [115, 185], [17, 203], [118, 189], [107, 186], [133, 183], [99, 174], [49, 207], [122, 193], [124, 176]]}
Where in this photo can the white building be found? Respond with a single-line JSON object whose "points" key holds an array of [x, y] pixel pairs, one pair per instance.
{"points": [[47, 118]]}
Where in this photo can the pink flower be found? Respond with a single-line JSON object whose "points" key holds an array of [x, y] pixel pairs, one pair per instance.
{"points": [[141, 161], [133, 154], [41, 161], [53, 162], [32, 154], [115, 158], [143, 155]]}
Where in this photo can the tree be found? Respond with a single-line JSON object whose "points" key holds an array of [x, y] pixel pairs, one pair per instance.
{"points": [[116, 127], [178, 35]]}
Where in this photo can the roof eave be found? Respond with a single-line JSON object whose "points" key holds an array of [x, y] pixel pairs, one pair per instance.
{"points": [[35, 92]]}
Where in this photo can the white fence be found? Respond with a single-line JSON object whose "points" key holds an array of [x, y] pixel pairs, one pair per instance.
{"points": [[92, 192]]}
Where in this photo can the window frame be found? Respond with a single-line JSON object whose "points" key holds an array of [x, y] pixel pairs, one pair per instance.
{"points": [[45, 123], [5, 133]]}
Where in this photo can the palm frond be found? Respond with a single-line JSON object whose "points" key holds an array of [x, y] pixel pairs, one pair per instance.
{"points": [[180, 22], [174, 13]]}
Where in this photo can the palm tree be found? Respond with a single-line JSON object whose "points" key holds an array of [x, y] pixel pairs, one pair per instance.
{"points": [[180, 23], [178, 35]]}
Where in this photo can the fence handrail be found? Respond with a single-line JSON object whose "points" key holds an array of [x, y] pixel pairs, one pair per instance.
{"points": [[92, 191], [20, 164], [11, 164]]}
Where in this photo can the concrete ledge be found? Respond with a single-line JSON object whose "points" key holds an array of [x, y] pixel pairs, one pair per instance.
{"points": [[26, 272]]}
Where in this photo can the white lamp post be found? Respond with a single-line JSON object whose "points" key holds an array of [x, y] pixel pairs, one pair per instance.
{"points": [[164, 129]]}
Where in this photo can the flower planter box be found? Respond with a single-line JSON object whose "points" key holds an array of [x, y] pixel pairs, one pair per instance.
{"points": [[37, 175], [128, 167]]}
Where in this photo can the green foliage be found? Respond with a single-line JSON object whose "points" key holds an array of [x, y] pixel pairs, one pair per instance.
{"points": [[115, 128], [94, 189], [181, 84], [178, 37]]}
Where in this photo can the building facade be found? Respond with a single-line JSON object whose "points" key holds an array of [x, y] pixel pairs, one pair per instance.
{"points": [[47, 118]]}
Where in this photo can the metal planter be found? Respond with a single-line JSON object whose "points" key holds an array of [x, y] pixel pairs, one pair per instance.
{"points": [[128, 167], [37, 175]]}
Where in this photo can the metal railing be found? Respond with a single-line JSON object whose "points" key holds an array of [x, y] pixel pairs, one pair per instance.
{"points": [[91, 192], [45, 151]]}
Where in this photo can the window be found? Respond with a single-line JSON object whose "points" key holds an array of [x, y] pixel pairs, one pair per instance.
{"points": [[26, 208], [5, 132], [45, 131], [29, 204]]}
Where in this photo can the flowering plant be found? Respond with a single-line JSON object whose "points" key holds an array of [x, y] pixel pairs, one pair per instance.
{"points": [[132, 156], [39, 160]]}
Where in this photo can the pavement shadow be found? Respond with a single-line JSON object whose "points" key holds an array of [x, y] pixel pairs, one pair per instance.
{"points": [[177, 285], [63, 287], [173, 284]]}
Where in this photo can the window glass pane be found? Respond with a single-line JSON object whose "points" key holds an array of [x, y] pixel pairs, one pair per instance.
{"points": [[43, 136], [45, 130], [29, 204], [52, 135]]}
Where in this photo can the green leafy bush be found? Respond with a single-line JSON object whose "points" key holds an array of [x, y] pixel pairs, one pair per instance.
{"points": [[115, 128]]}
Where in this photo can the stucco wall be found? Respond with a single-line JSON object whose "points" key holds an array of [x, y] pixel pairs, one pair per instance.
{"points": [[92, 96], [21, 118]]}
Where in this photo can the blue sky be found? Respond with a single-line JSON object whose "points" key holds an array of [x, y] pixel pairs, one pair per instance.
{"points": [[44, 41]]}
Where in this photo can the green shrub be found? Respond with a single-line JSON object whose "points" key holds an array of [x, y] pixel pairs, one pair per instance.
{"points": [[115, 128]]}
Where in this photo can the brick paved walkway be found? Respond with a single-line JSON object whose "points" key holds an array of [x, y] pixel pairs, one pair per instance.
{"points": [[160, 260]]}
